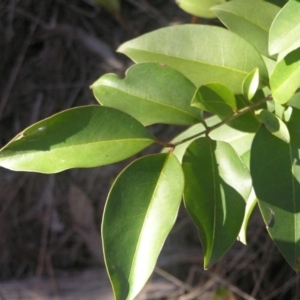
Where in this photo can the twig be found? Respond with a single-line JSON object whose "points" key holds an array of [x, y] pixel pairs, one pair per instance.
{"points": [[225, 121]]}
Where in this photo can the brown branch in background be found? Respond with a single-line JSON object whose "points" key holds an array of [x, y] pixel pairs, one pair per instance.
{"points": [[16, 69]]}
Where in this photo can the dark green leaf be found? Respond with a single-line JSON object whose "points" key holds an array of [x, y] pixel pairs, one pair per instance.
{"points": [[151, 93], [140, 211], [249, 19], [81, 137], [275, 169], [217, 186], [215, 98], [248, 121], [202, 53]]}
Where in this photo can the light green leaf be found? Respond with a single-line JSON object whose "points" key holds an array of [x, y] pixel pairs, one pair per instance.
{"points": [[295, 101], [141, 209], [270, 64], [200, 8], [217, 186], [285, 29], [273, 124], [81, 137], [251, 83], [275, 170], [285, 78], [202, 53], [215, 98], [251, 203], [151, 93], [249, 19]]}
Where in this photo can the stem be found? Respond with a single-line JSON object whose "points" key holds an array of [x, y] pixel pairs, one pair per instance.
{"points": [[207, 130]]}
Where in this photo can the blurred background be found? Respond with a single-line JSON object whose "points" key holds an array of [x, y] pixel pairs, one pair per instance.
{"points": [[51, 51]]}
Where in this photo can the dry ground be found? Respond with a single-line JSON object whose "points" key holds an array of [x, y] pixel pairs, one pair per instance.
{"points": [[50, 52]]}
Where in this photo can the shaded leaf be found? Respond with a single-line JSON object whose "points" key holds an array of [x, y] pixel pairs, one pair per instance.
{"points": [[140, 211], [217, 185], [285, 78], [202, 53], [247, 122], [285, 29], [200, 8], [274, 124], [275, 170], [215, 98], [249, 19], [80, 137], [151, 93], [250, 84]]}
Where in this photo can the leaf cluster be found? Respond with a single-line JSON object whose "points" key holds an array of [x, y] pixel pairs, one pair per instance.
{"points": [[247, 76]]}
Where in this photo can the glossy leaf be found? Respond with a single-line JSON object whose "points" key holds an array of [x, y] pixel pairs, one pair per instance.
{"points": [[81, 137], [141, 209], [250, 84], [285, 78], [273, 124], [249, 19], [151, 93], [200, 8], [202, 53], [275, 170], [215, 98], [217, 185], [285, 29]]}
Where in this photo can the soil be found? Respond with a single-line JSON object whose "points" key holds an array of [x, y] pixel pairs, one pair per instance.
{"points": [[51, 51]]}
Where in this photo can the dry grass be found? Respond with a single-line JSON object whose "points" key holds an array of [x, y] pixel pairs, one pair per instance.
{"points": [[50, 52]]}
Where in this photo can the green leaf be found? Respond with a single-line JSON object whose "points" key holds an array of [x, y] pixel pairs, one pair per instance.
{"points": [[279, 3], [285, 78], [240, 141], [295, 101], [247, 122], [273, 124], [80, 137], [202, 53], [215, 98], [251, 83], [200, 8], [141, 209], [275, 169], [217, 185], [249, 19], [151, 93], [251, 203], [285, 29]]}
